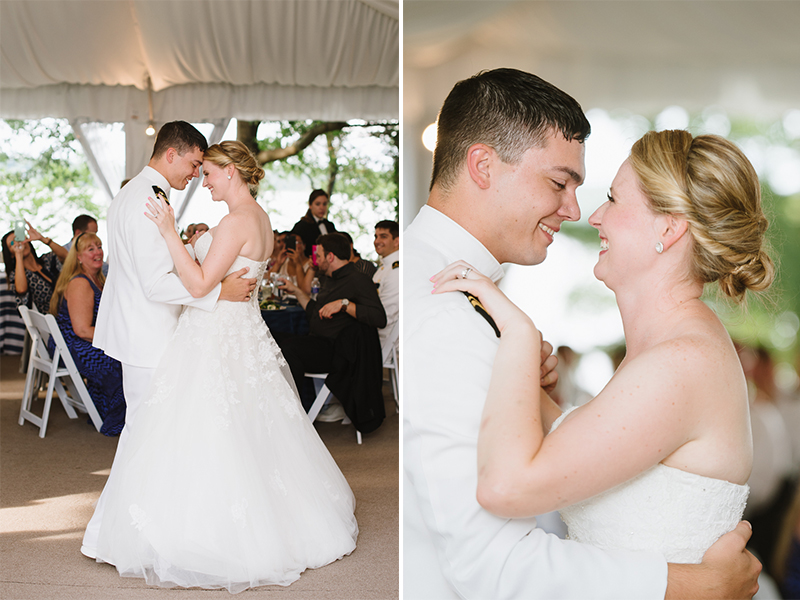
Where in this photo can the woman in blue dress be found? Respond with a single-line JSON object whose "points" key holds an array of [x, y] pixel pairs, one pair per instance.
{"points": [[74, 304]]}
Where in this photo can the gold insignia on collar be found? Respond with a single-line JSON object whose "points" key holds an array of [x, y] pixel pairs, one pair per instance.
{"points": [[396, 264]]}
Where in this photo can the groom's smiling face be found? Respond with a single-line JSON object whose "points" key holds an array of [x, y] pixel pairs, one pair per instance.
{"points": [[532, 198], [184, 167]]}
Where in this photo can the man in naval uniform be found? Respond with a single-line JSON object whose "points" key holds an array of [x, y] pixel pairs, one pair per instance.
{"points": [[387, 277], [143, 295]]}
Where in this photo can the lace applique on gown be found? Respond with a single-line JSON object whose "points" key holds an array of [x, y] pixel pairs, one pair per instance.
{"points": [[224, 481], [664, 509]]}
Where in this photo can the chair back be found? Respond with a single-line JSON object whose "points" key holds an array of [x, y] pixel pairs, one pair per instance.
{"points": [[57, 367], [39, 330]]}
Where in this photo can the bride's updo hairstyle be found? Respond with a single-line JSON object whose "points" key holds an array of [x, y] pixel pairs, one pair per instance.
{"points": [[709, 182], [236, 153]]}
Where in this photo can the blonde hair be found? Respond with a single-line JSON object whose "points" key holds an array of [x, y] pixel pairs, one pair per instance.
{"points": [[709, 182], [236, 153], [72, 268]]}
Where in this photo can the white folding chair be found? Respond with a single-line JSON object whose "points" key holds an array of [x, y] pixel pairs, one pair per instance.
{"points": [[323, 393], [58, 367], [390, 359]]}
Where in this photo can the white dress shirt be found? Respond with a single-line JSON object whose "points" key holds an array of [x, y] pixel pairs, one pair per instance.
{"points": [[387, 278], [453, 548], [323, 229]]}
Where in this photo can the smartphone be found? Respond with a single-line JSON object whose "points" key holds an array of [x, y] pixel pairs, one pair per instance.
{"points": [[19, 230], [314, 255], [291, 242]]}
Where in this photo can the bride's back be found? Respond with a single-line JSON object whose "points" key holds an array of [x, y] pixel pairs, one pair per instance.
{"points": [[257, 232]]}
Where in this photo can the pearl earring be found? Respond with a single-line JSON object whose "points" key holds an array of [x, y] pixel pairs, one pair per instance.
{"points": [[229, 176], [659, 247]]}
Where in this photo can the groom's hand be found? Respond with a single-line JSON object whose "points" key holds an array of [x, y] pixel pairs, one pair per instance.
{"points": [[728, 570], [549, 362], [235, 288]]}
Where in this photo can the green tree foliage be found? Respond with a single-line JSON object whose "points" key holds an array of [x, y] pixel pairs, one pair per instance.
{"points": [[44, 175], [357, 161]]}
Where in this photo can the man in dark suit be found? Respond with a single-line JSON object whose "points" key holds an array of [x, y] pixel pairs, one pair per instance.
{"points": [[347, 297]]}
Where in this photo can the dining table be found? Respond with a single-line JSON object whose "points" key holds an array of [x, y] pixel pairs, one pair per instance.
{"points": [[285, 317]]}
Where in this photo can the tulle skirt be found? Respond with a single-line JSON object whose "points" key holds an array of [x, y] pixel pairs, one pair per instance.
{"points": [[224, 482]]}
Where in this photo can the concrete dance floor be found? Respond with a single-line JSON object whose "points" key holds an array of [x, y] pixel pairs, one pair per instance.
{"points": [[48, 487]]}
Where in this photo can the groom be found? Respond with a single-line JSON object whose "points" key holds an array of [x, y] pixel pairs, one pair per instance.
{"points": [[143, 296], [508, 160]]}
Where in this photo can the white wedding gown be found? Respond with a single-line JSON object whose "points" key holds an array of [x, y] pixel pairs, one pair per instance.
{"points": [[224, 483], [664, 509]]}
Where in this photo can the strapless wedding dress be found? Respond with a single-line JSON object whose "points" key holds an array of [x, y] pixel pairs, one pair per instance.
{"points": [[224, 482], [664, 509]]}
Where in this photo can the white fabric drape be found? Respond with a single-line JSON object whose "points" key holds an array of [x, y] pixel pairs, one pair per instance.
{"points": [[214, 59]]}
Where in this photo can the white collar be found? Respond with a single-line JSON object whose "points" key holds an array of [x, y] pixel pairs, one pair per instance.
{"points": [[455, 242], [158, 179]]}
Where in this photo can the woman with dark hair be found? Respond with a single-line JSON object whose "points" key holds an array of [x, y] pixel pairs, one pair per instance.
{"points": [[32, 277], [76, 297], [315, 222]]}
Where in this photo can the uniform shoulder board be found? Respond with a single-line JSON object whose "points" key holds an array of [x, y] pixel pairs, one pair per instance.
{"points": [[396, 264], [476, 304], [160, 194]]}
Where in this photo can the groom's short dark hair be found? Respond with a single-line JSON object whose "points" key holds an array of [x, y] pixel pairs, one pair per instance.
{"points": [[510, 111], [179, 135]]}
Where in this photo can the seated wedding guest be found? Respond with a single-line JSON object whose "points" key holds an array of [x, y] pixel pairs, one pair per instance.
{"points": [[193, 229], [30, 276], [315, 222], [347, 297], [82, 224], [74, 304], [299, 267], [387, 277], [278, 258], [366, 267]]}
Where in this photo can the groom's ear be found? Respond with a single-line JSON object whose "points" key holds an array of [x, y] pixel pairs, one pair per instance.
{"points": [[673, 228], [479, 160]]}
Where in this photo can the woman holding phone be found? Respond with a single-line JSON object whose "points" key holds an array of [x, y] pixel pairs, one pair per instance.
{"points": [[32, 277]]}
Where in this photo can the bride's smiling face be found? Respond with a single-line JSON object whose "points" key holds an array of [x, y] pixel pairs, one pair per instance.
{"points": [[216, 180], [627, 228]]}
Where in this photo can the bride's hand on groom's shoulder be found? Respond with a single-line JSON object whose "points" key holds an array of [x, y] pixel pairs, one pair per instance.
{"points": [[461, 276], [161, 214]]}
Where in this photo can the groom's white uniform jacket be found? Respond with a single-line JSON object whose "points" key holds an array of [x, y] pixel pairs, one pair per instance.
{"points": [[143, 295], [453, 548]]}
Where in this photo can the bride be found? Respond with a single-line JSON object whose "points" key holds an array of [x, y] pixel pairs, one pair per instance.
{"points": [[226, 483], [659, 460]]}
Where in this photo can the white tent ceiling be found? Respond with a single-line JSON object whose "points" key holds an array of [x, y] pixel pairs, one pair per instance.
{"points": [[204, 60], [637, 55]]}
